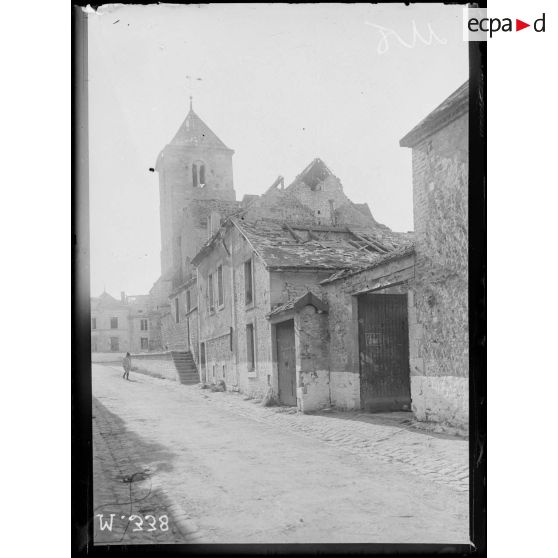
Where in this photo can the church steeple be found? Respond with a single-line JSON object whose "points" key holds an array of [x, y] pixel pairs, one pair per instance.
{"points": [[196, 165], [194, 132]]}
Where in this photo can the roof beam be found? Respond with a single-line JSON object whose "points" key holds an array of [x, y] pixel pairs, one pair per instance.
{"points": [[375, 245], [297, 237]]}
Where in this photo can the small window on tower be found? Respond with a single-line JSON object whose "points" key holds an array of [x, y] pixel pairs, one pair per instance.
{"points": [[202, 176], [195, 175]]}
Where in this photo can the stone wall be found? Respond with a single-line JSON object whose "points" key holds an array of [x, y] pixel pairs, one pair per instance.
{"points": [[254, 383], [319, 199], [288, 285], [176, 190], [276, 203], [341, 297], [215, 324], [160, 365], [440, 351], [312, 359], [105, 358]]}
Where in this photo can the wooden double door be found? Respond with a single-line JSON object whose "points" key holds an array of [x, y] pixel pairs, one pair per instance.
{"points": [[383, 336]]}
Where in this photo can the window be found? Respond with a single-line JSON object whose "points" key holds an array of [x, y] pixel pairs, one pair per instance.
{"points": [[176, 310], [198, 175], [93, 323], [144, 343], [220, 293], [143, 325], [210, 294], [114, 323], [114, 344], [250, 348], [248, 291], [188, 301]]}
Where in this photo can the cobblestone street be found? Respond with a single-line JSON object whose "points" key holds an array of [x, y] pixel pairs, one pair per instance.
{"points": [[224, 469]]}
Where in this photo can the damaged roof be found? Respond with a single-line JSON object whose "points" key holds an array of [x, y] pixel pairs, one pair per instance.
{"points": [[401, 252], [314, 173], [293, 245]]}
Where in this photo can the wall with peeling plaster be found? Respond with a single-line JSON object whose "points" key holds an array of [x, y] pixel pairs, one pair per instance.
{"points": [[312, 359]]}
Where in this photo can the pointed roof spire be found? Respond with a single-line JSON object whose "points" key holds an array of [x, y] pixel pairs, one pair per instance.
{"points": [[194, 132]]}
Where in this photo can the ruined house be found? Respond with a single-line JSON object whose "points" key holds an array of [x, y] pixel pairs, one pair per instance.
{"points": [[302, 293]]}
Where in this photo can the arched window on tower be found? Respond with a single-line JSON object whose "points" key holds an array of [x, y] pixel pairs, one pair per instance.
{"points": [[195, 175], [202, 175]]}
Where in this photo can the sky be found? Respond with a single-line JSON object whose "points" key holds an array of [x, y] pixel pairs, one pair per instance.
{"points": [[280, 84]]}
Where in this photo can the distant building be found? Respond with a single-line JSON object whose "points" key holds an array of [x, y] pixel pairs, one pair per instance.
{"points": [[122, 325], [110, 328]]}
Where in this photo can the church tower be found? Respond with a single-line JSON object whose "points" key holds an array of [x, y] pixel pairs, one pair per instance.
{"points": [[195, 166]]}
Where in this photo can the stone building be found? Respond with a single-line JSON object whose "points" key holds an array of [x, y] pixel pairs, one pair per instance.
{"points": [[123, 325], [254, 278], [399, 327], [301, 293], [110, 330]]}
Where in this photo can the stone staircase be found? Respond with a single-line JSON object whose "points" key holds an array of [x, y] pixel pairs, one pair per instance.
{"points": [[185, 367]]}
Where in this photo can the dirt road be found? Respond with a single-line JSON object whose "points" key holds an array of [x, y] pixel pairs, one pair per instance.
{"points": [[246, 474]]}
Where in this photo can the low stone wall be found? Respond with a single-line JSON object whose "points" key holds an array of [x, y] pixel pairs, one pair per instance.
{"points": [[441, 399], [160, 365], [107, 358]]}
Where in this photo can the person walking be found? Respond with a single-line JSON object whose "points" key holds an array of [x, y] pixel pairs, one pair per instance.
{"points": [[127, 364]]}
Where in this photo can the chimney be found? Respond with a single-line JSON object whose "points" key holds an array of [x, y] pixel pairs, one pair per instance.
{"points": [[123, 297]]}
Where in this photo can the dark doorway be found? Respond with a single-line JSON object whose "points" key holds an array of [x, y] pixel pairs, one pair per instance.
{"points": [[286, 363], [202, 361], [383, 337]]}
